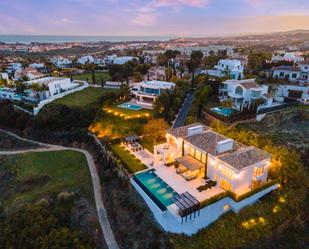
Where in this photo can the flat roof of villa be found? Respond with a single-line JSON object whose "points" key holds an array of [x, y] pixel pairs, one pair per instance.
{"points": [[244, 157], [287, 68], [158, 84], [47, 80], [249, 85], [183, 130]]}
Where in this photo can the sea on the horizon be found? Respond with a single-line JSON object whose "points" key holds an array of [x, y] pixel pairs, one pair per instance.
{"points": [[27, 39]]}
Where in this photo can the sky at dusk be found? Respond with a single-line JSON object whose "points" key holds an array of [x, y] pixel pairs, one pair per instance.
{"points": [[153, 17]]}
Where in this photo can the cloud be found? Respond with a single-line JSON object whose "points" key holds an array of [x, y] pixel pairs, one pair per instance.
{"points": [[180, 3], [145, 19], [148, 14]]}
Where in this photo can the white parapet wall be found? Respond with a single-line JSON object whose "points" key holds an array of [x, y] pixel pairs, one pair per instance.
{"points": [[171, 222], [45, 102]]}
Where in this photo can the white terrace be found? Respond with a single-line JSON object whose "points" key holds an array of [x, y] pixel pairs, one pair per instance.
{"points": [[181, 185]]}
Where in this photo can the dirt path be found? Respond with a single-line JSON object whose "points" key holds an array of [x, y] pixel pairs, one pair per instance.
{"points": [[103, 219]]}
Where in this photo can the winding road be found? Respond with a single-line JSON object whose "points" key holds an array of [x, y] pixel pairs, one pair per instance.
{"points": [[103, 219]]}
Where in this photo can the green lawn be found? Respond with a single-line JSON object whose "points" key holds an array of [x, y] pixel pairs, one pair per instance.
{"points": [[42, 173], [88, 77], [84, 98], [128, 160]]}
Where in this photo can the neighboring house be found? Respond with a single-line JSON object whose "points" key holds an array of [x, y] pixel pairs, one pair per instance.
{"points": [[146, 92], [287, 56], [288, 73], [211, 171], [109, 59], [232, 68], [156, 73], [86, 59], [180, 60], [37, 65], [293, 93], [61, 62], [9, 93], [29, 72], [4, 76], [304, 68], [55, 85], [12, 67], [243, 93], [124, 59], [221, 50]]}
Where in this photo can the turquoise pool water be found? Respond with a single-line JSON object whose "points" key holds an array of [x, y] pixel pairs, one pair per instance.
{"points": [[224, 111], [157, 189], [130, 106]]}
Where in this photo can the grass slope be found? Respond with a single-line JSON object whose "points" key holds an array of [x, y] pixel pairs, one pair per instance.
{"points": [[39, 174], [88, 77], [87, 97]]}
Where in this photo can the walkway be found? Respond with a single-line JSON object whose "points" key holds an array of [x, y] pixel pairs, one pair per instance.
{"points": [[103, 219], [182, 115]]}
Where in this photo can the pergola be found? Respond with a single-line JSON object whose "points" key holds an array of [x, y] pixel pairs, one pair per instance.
{"points": [[190, 163], [131, 139], [188, 206]]}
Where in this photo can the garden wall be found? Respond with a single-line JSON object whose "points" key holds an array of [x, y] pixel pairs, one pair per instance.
{"points": [[37, 109]]}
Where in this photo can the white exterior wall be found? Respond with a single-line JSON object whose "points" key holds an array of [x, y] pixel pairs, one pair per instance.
{"points": [[288, 74], [171, 222], [304, 67], [4, 76], [283, 91], [45, 102]]}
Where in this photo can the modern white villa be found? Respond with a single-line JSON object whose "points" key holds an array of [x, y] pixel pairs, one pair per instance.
{"points": [[293, 92], [54, 85], [198, 175], [244, 93], [287, 56], [299, 73], [232, 68], [146, 92]]}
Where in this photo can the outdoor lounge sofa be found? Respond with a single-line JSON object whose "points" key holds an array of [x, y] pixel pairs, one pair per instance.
{"points": [[189, 176]]}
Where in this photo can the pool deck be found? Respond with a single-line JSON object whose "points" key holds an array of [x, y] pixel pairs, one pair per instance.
{"points": [[181, 185], [176, 181]]}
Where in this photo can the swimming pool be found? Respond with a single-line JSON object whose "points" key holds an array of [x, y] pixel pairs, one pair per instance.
{"points": [[130, 106], [157, 189], [224, 111]]}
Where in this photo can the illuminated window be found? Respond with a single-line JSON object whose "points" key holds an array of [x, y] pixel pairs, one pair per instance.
{"points": [[192, 151], [203, 158], [198, 155], [227, 172], [225, 184], [226, 207], [258, 171]]}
